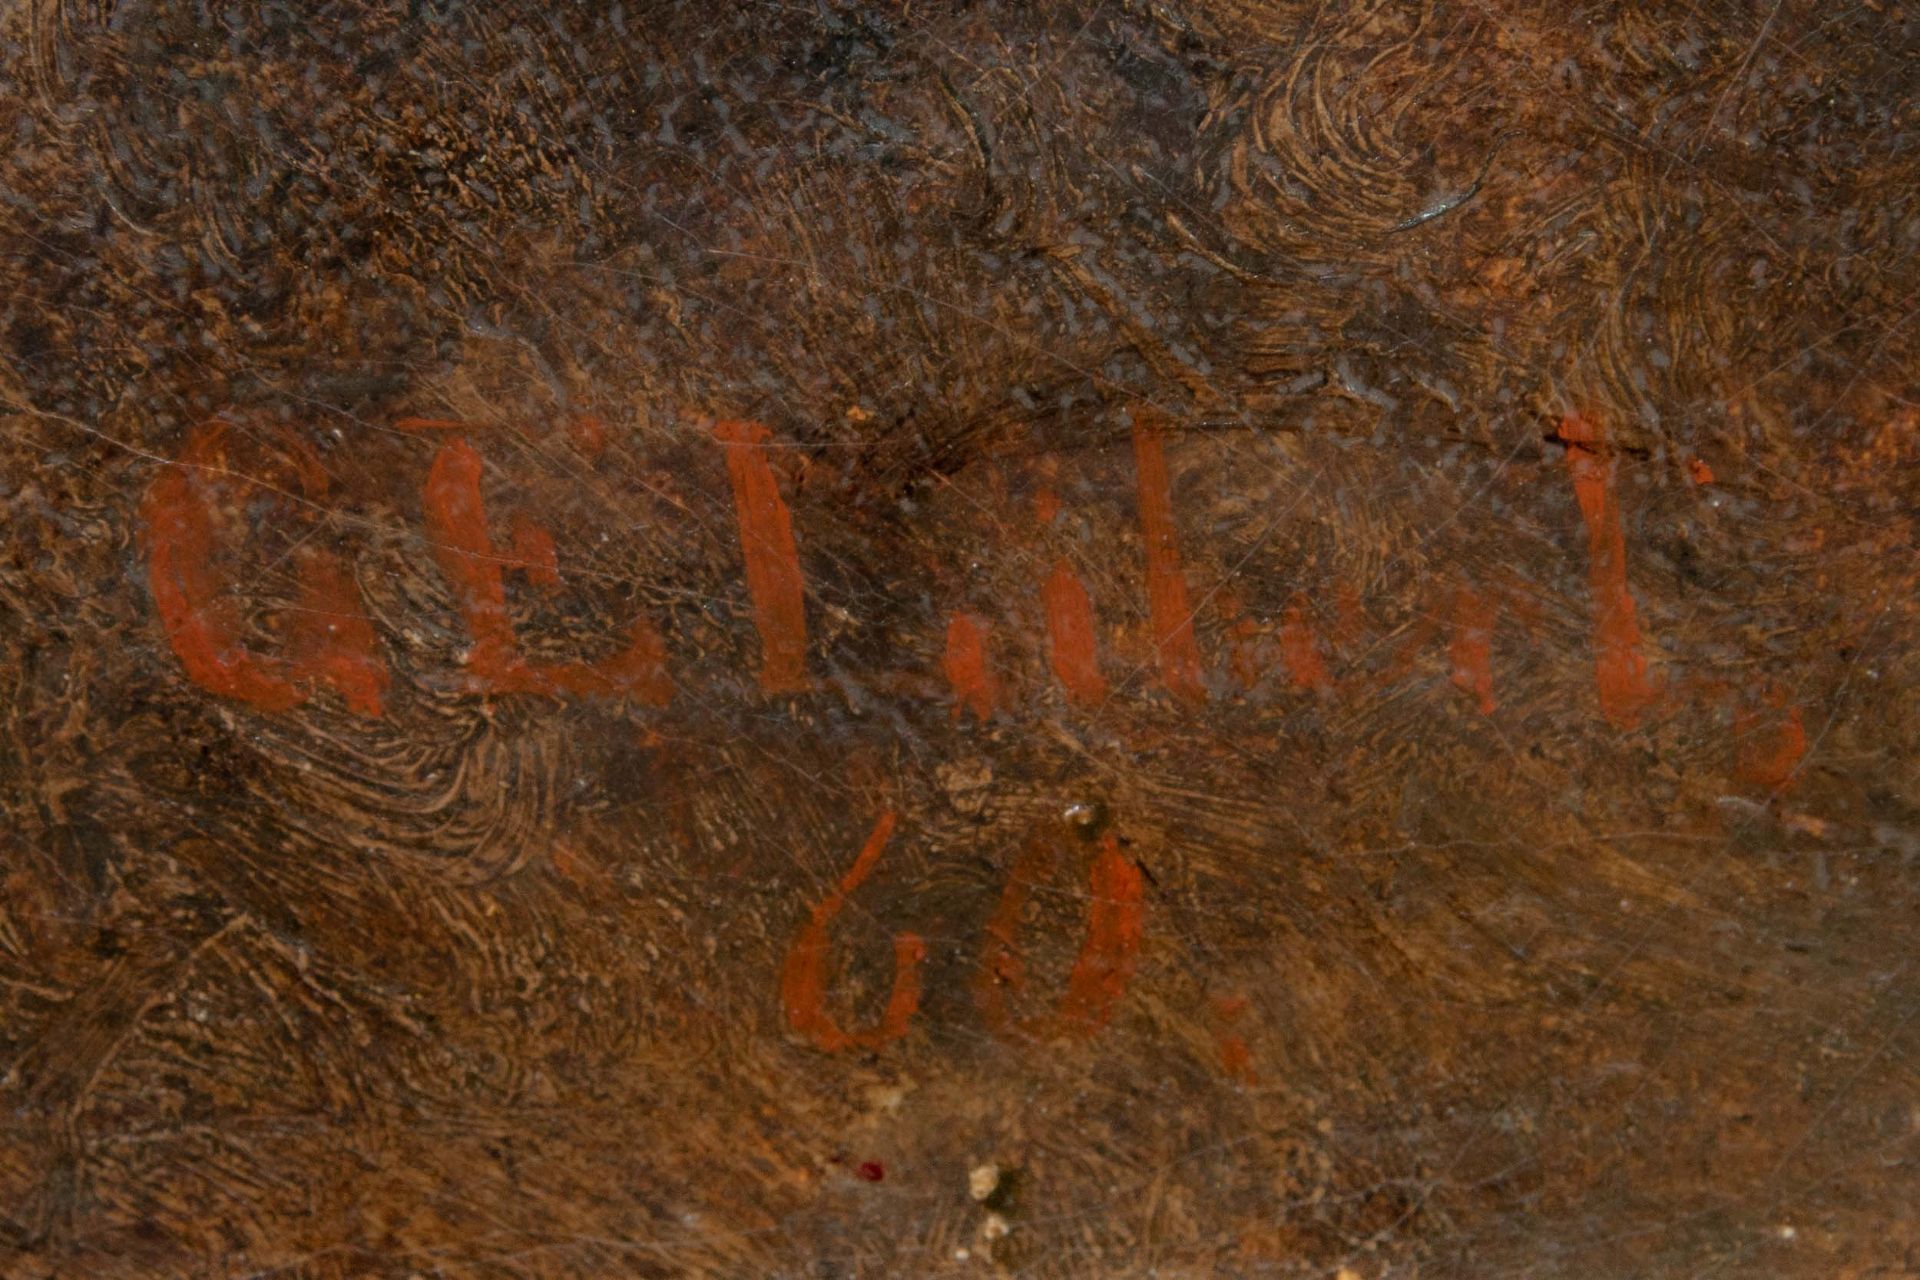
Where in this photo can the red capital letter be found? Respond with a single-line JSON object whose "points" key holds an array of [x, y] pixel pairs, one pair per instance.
{"points": [[457, 518], [332, 641]]}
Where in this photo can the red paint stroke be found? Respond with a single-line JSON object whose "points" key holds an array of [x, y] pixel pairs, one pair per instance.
{"points": [[1109, 953], [1236, 1060], [870, 1171], [1001, 970], [180, 546], [1771, 746], [639, 670], [803, 978], [1111, 950], [531, 552], [1300, 649], [975, 688], [330, 639], [1471, 650], [1046, 506], [1620, 665], [457, 519], [1245, 662], [1070, 634], [1166, 585], [772, 559], [1701, 473], [589, 434]]}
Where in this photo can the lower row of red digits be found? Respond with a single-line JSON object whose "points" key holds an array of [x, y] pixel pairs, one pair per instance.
{"points": [[1102, 971]]}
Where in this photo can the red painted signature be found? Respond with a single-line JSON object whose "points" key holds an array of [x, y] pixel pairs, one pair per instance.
{"points": [[330, 644]]}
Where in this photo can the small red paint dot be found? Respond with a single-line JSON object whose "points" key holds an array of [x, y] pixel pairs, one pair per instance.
{"points": [[872, 1170]]}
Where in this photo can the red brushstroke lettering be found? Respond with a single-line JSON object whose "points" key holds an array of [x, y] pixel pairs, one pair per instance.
{"points": [[181, 547], [772, 559], [1236, 1060], [1070, 636], [1166, 584], [457, 518], [331, 639], [531, 551], [1108, 953], [803, 978], [1620, 666], [1300, 649], [974, 686], [1771, 746], [1072, 651], [589, 435]]}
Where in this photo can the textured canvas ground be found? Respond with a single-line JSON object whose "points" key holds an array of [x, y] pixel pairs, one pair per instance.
{"points": [[1110, 638]]}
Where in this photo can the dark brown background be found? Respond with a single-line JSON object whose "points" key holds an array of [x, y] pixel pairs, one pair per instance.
{"points": [[488, 986]]}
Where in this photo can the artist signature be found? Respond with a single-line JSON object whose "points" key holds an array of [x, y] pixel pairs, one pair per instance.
{"points": [[331, 643]]}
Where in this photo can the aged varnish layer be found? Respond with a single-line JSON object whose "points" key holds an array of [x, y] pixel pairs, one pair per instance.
{"points": [[1099, 638]]}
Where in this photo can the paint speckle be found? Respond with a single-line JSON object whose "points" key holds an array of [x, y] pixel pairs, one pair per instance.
{"points": [[983, 1180]]}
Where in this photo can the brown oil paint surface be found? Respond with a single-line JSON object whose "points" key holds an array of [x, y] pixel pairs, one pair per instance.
{"points": [[1068, 640]]}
